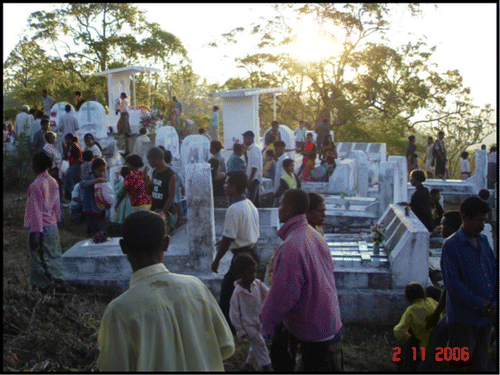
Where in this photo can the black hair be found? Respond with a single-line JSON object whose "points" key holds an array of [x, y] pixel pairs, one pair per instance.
{"points": [[239, 180], [440, 132], [464, 155], [287, 162], [42, 161], [134, 160], [274, 123], [124, 171], [216, 108], [237, 147], [98, 162], [44, 121], [411, 138], [39, 114], [454, 219], [90, 136], [201, 131], [167, 156], [493, 148], [156, 153], [433, 292], [314, 200], [216, 145], [79, 93], [143, 130], [484, 194], [143, 232], [434, 191], [279, 144], [242, 262], [67, 108], [87, 155], [270, 153], [298, 199], [414, 291], [418, 174], [472, 206]]}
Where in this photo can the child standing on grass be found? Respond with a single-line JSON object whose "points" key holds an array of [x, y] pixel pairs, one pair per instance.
{"points": [[135, 185], [411, 331], [95, 216], [125, 207], [465, 165], [245, 307]]}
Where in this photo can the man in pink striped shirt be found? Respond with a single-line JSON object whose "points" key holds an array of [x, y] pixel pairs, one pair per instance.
{"points": [[302, 306]]}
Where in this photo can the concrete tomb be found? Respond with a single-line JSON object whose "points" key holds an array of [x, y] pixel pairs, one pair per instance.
{"points": [[167, 137], [195, 149], [343, 178], [92, 119]]}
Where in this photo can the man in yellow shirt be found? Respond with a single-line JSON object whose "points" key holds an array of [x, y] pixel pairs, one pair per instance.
{"points": [[164, 322], [411, 331]]}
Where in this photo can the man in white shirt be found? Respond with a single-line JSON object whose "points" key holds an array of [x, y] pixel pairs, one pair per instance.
{"points": [[165, 322], [254, 167], [67, 123], [240, 234], [279, 155], [23, 121], [48, 103]]}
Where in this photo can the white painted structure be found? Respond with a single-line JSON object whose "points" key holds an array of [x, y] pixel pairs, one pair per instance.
{"points": [[167, 137], [241, 113], [92, 119], [195, 148]]}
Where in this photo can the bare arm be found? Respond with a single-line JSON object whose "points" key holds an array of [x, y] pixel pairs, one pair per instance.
{"points": [[171, 193]]}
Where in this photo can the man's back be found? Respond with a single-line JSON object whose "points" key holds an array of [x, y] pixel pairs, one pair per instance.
{"points": [[164, 322], [68, 123]]}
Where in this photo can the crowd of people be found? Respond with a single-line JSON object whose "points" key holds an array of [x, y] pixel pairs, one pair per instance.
{"points": [[171, 322]]}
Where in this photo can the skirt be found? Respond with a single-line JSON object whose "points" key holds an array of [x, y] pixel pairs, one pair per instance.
{"points": [[46, 263]]}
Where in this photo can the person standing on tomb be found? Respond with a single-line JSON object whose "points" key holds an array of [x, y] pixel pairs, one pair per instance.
{"points": [[214, 124], [411, 150], [215, 148], [123, 124], [240, 235], [470, 276], [165, 322], [163, 187], [254, 167], [48, 103], [420, 202], [440, 156], [465, 166], [322, 130], [429, 158], [43, 212], [300, 134], [23, 121], [39, 138], [274, 131], [280, 156], [78, 100], [235, 162], [492, 176], [302, 305], [68, 123]]}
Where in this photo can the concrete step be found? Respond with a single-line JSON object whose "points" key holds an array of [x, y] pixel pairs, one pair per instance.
{"points": [[355, 278]]}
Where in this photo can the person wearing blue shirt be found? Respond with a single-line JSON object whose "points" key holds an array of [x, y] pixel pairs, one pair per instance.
{"points": [[214, 124], [235, 163], [470, 276]]}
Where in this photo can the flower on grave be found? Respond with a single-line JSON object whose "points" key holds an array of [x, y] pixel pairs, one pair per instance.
{"points": [[99, 237], [236, 140], [377, 233], [53, 114], [174, 114]]}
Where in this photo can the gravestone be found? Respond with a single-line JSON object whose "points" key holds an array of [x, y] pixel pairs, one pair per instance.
{"points": [[287, 136], [362, 170], [401, 179], [195, 149], [92, 119], [201, 219], [343, 178], [167, 137], [386, 176], [481, 170]]}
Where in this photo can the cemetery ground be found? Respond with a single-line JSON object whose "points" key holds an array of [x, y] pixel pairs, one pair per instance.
{"points": [[58, 331]]}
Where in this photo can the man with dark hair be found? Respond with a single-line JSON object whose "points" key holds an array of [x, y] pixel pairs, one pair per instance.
{"points": [[165, 321], [68, 123], [420, 202], [235, 162], [436, 208], [470, 276], [215, 147], [302, 305], [411, 150], [273, 132], [240, 234], [39, 137]]}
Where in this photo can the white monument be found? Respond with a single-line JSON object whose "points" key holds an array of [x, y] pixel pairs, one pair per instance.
{"points": [[167, 137], [195, 148], [240, 112], [92, 119]]}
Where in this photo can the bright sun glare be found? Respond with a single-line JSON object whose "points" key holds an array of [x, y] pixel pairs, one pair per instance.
{"points": [[312, 44]]}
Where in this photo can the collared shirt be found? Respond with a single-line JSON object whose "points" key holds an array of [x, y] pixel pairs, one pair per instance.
{"points": [[279, 171], [23, 122], [48, 102], [245, 307], [68, 124], [43, 207], [303, 294], [414, 319], [300, 134], [254, 161], [470, 276], [242, 224], [214, 120], [164, 322]]}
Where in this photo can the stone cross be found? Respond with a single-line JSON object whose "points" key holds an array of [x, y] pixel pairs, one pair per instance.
{"points": [[88, 108]]}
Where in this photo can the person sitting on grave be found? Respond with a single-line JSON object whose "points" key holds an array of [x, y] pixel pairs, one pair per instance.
{"points": [[162, 187], [316, 212], [143, 137], [308, 167], [289, 179], [218, 181], [246, 303], [164, 322], [135, 185], [269, 163], [215, 148], [328, 154], [92, 145], [68, 123], [307, 148], [235, 163], [411, 331], [420, 202]]}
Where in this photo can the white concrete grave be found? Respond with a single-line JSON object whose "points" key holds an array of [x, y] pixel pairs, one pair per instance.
{"points": [[195, 149], [92, 119], [386, 194], [167, 137], [240, 113], [343, 178], [401, 179], [481, 170], [361, 171], [376, 153]]}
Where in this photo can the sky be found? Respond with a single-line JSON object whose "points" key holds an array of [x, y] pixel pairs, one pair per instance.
{"points": [[465, 36]]}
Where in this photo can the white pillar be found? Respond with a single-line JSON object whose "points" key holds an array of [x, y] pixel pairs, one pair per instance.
{"points": [[133, 85]]}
